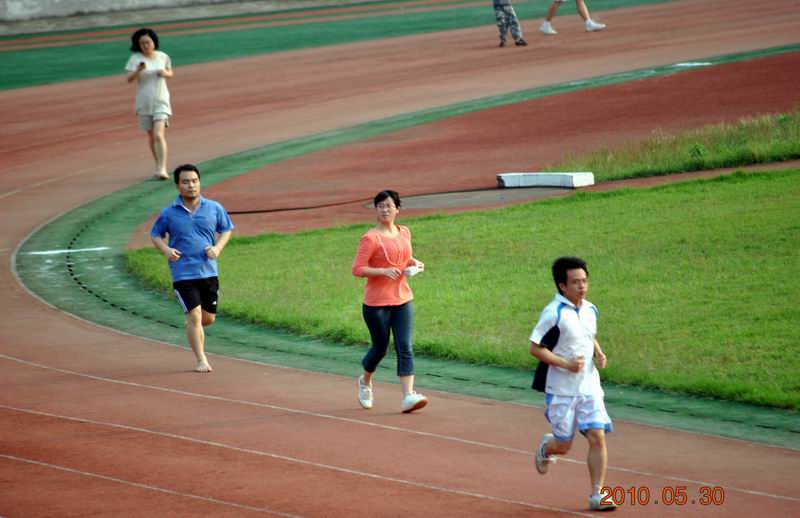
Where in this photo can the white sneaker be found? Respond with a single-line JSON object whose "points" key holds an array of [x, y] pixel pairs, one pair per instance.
{"points": [[592, 26], [547, 28], [413, 402], [543, 461], [364, 394], [601, 503], [203, 366]]}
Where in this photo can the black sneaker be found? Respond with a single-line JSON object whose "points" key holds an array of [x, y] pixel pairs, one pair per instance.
{"points": [[502, 43], [521, 43]]}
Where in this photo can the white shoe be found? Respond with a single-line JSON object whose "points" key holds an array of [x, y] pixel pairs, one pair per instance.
{"points": [[413, 402], [203, 366], [547, 28], [543, 461], [592, 26], [601, 503], [364, 394]]}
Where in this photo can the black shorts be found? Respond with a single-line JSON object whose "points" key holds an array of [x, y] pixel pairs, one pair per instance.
{"points": [[197, 292]]}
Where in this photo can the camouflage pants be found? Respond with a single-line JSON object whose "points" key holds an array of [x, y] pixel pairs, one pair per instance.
{"points": [[507, 19]]}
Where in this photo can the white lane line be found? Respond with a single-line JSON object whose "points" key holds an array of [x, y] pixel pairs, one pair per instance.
{"points": [[10, 193], [267, 405], [32, 186], [388, 427], [146, 486], [75, 136], [296, 460], [69, 251], [690, 64]]}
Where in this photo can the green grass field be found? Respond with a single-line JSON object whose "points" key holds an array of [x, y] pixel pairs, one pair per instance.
{"points": [[758, 140], [692, 282]]}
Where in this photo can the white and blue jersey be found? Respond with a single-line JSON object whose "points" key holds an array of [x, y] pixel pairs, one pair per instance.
{"points": [[568, 331], [191, 233]]}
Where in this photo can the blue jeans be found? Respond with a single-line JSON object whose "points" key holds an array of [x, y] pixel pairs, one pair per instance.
{"points": [[380, 320]]}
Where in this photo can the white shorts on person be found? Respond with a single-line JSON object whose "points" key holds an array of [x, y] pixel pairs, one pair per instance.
{"points": [[147, 122], [568, 413]]}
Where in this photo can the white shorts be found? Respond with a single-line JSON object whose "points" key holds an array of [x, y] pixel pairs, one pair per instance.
{"points": [[146, 122], [565, 412]]}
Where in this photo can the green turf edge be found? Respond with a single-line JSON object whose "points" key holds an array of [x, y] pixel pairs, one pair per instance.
{"points": [[96, 286]]}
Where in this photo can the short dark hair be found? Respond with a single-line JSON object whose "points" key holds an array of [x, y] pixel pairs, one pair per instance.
{"points": [[142, 32], [387, 194], [562, 265], [176, 174]]}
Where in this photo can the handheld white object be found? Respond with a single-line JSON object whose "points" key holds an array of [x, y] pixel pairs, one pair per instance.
{"points": [[411, 271]]}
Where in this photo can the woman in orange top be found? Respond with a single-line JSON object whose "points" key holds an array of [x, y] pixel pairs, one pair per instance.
{"points": [[384, 258]]}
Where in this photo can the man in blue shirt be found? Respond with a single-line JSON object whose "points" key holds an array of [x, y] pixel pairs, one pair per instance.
{"points": [[198, 230]]}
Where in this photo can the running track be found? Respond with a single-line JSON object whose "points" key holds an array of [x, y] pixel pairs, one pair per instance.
{"points": [[95, 422]]}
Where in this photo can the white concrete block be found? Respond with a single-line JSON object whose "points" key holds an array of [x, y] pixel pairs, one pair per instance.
{"points": [[534, 179]]}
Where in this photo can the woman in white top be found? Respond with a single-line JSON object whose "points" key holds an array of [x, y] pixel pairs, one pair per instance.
{"points": [[151, 68]]}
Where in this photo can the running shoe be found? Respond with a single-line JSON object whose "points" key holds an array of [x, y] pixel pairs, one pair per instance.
{"points": [[364, 394], [547, 28], [543, 460], [597, 503], [413, 402], [592, 26]]}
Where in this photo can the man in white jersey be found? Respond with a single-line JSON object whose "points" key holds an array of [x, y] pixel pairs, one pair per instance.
{"points": [[564, 343]]}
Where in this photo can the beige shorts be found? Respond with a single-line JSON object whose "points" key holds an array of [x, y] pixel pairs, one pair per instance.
{"points": [[146, 122]]}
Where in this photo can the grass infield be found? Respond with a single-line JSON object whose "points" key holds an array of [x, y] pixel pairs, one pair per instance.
{"points": [[772, 138]]}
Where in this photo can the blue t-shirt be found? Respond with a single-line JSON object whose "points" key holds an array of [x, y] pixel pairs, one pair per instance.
{"points": [[190, 233]]}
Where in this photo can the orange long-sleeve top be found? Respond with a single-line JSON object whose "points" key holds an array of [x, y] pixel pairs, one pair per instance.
{"points": [[379, 251]]}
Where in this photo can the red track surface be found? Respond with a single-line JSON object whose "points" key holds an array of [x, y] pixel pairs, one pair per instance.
{"points": [[95, 422]]}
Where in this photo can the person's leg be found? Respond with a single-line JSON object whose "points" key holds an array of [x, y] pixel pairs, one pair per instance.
{"points": [[549, 447], [209, 295], [516, 29], [597, 459], [151, 143], [146, 125], [580, 5], [551, 11], [594, 422], [159, 140], [402, 326], [208, 318], [191, 296], [197, 337], [560, 413], [401, 322], [555, 447], [591, 25], [377, 320], [502, 26], [546, 27]]}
